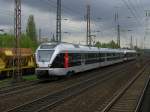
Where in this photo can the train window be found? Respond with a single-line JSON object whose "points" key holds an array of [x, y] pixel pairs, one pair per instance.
{"points": [[116, 56], [91, 58], [74, 59], [102, 57], [121, 55], [58, 61], [70, 59], [44, 55], [102, 54], [109, 54], [77, 56], [113, 56]]}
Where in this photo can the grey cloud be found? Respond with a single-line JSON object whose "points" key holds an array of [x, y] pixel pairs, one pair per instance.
{"points": [[76, 10]]}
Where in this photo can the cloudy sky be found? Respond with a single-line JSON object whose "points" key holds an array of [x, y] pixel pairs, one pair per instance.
{"points": [[132, 19]]}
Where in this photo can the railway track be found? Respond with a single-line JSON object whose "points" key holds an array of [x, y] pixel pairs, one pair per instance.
{"points": [[13, 89], [127, 98], [12, 85], [51, 100], [143, 104], [31, 84], [27, 95]]}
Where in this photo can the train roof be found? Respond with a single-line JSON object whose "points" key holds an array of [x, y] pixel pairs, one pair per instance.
{"points": [[129, 51], [76, 47]]}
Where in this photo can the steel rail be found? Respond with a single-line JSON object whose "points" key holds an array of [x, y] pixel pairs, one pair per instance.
{"points": [[10, 90], [59, 96], [122, 91], [142, 96], [18, 89]]}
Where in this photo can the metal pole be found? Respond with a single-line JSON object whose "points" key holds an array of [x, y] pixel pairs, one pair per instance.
{"points": [[136, 43], [87, 32], [58, 22], [40, 35], [131, 43], [147, 18], [18, 75], [118, 36], [88, 35], [118, 29]]}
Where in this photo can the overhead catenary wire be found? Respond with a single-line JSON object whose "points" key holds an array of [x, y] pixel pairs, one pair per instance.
{"points": [[134, 8], [132, 12], [140, 5], [65, 8], [54, 6]]}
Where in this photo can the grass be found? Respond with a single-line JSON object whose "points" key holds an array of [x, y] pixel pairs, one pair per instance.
{"points": [[30, 78]]}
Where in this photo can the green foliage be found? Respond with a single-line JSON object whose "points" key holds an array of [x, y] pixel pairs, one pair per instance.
{"points": [[111, 44], [31, 29], [8, 41], [30, 77], [26, 42]]}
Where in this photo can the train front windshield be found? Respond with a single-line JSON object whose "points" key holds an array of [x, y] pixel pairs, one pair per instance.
{"points": [[44, 55]]}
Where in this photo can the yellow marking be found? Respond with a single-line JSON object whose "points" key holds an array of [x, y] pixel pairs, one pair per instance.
{"points": [[8, 53], [31, 63], [2, 64]]}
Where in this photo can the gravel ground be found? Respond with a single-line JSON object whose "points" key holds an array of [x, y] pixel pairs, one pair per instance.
{"points": [[93, 98], [129, 100], [34, 92]]}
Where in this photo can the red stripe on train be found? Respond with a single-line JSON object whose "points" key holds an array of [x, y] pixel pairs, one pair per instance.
{"points": [[66, 63]]}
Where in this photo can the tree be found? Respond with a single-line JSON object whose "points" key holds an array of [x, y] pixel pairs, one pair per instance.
{"points": [[98, 44], [31, 29], [111, 44]]}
